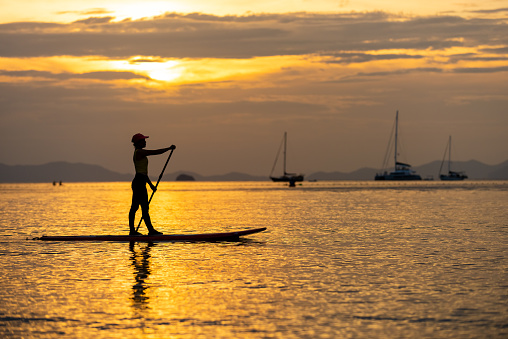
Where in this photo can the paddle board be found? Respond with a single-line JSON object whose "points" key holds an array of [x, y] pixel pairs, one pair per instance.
{"points": [[226, 236]]}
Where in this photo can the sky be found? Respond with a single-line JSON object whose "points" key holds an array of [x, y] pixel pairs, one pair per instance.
{"points": [[223, 80]]}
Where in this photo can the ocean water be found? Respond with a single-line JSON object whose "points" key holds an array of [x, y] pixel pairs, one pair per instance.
{"points": [[338, 260]]}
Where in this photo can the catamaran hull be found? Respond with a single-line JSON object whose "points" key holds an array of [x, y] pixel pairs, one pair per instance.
{"points": [[390, 177], [285, 178], [226, 236], [459, 177]]}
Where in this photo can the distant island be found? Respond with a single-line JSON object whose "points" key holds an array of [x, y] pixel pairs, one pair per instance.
{"points": [[78, 172], [185, 177]]}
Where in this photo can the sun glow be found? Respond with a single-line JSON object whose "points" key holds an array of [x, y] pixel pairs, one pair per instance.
{"points": [[278, 71], [155, 69]]}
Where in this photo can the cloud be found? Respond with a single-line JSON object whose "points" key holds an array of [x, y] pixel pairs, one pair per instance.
{"points": [[95, 20], [346, 58], [490, 11], [92, 11], [106, 75], [481, 69], [403, 71], [208, 36], [29, 27], [500, 50]]}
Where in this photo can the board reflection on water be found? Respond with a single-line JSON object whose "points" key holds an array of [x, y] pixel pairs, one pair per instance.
{"points": [[140, 257]]}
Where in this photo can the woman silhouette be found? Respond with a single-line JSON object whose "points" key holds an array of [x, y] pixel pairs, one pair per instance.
{"points": [[139, 192]]}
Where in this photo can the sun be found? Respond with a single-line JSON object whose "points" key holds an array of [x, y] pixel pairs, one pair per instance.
{"points": [[165, 70], [164, 73], [154, 68]]}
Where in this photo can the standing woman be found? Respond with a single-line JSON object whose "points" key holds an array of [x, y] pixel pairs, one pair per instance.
{"points": [[139, 192]]}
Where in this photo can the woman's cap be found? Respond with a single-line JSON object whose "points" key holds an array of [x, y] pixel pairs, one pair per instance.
{"points": [[137, 137]]}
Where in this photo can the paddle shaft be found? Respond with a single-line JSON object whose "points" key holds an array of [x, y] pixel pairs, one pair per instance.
{"points": [[157, 184]]}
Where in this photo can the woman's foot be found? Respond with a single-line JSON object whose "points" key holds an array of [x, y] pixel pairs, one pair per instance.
{"points": [[154, 232], [134, 233]]}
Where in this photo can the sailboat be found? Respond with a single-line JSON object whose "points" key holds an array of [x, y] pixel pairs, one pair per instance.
{"points": [[286, 177], [451, 174], [402, 170]]}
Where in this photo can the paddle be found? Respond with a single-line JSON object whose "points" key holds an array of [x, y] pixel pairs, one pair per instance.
{"points": [[157, 184]]}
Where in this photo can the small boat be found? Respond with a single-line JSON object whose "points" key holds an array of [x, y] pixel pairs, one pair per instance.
{"points": [[285, 177], [402, 170], [225, 236], [452, 175]]}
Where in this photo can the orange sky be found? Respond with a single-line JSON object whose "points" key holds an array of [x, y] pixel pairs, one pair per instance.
{"points": [[68, 11], [224, 82]]}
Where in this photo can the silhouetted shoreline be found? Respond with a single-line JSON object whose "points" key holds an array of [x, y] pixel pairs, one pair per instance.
{"points": [[78, 172]]}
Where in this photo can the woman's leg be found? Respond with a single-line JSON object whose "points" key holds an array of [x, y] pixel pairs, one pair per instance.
{"points": [[146, 215], [137, 198], [132, 214]]}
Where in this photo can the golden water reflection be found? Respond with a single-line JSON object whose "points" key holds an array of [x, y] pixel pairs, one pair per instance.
{"points": [[339, 259]]}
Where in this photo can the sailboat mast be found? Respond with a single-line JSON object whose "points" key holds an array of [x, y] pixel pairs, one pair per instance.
{"points": [[396, 135], [449, 153], [285, 141]]}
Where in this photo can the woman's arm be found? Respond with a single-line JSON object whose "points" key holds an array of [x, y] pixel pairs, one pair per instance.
{"points": [[146, 152], [149, 182]]}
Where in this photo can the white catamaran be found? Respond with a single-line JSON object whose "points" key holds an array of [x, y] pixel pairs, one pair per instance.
{"points": [[286, 177], [402, 171], [451, 174]]}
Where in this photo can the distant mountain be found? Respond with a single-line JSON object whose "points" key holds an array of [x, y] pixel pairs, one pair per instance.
{"points": [[474, 170], [500, 172], [232, 176], [77, 172], [361, 174], [235, 176], [59, 171]]}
